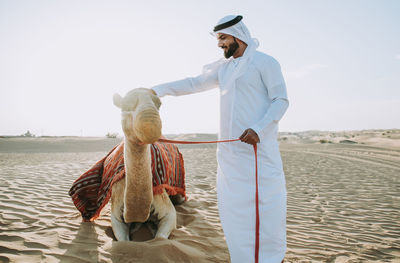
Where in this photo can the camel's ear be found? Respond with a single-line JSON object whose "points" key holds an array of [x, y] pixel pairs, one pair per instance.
{"points": [[117, 99]]}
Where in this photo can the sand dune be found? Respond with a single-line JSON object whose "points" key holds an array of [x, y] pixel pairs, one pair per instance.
{"points": [[343, 203]]}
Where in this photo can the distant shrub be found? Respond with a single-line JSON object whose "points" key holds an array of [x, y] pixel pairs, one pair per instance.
{"points": [[348, 141], [28, 134], [324, 141], [111, 135]]}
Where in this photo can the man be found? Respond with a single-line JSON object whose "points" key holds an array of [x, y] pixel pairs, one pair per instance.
{"points": [[252, 100]]}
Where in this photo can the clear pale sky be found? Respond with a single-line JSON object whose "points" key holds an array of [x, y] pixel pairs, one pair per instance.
{"points": [[62, 61]]}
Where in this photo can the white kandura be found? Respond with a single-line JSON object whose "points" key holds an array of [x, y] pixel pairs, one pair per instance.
{"points": [[252, 95]]}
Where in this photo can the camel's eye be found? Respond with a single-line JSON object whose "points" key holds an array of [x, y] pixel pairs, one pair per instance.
{"points": [[156, 101]]}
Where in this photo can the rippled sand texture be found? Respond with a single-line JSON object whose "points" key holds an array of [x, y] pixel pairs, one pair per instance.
{"points": [[343, 203], [39, 223], [343, 206]]}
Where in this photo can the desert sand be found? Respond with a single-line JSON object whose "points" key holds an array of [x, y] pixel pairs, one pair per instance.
{"points": [[343, 202]]}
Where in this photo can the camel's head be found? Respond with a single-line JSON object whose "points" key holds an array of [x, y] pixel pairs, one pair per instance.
{"points": [[141, 121]]}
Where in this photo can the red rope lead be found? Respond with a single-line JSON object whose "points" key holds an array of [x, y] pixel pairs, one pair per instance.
{"points": [[257, 245], [257, 210], [188, 142]]}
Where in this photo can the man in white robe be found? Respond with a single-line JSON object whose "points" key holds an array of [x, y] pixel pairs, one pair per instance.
{"points": [[253, 99]]}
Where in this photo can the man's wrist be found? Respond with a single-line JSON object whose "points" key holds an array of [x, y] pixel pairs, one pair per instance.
{"points": [[256, 129]]}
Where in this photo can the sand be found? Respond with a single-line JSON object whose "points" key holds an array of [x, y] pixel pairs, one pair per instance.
{"points": [[343, 202]]}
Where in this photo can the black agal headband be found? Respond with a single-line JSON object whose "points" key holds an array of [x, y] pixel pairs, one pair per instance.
{"points": [[228, 24]]}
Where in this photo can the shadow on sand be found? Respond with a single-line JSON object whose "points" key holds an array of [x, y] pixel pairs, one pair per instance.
{"points": [[84, 247]]}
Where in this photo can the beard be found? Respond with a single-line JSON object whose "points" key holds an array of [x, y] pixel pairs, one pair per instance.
{"points": [[231, 49]]}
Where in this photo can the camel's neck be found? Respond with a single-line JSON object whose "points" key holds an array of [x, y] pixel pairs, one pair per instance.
{"points": [[138, 194]]}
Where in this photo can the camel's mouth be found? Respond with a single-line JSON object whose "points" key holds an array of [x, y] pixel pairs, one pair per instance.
{"points": [[147, 126]]}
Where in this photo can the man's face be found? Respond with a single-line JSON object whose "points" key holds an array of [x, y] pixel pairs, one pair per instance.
{"points": [[228, 43]]}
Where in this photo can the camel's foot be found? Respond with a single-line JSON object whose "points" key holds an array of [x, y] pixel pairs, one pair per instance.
{"points": [[166, 225], [165, 214], [162, 236], [120, 229]]}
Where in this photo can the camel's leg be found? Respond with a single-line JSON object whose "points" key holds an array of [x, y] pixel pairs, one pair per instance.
{"points": [[121, 229], [166, 214], [167, 224]]}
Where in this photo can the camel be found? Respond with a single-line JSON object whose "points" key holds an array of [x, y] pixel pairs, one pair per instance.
{"points": [[132, 199]]}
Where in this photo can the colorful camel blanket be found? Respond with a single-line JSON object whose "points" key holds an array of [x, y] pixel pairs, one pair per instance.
{"points": [[92, 190]]}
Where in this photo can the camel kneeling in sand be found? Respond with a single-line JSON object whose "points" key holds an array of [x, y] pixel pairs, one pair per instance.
{"points": [[132, 199]]}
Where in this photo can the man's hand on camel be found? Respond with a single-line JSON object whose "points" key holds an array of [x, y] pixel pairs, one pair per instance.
{"points": [[249, 136]]}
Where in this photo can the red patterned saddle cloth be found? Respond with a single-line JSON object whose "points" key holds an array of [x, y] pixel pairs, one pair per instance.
{"points": [[92, 190]]}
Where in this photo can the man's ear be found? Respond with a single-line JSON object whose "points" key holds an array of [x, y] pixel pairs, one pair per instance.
{"points": [[117, 99]]}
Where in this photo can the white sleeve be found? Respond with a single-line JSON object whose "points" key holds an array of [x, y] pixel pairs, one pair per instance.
{"points": [[205, 81], [273, 80]]}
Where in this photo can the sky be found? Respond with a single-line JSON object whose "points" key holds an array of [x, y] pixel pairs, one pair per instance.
{"points": [[62, 61]]}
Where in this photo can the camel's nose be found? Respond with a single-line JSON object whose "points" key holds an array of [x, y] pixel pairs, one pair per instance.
{"points": [[148, 125]]}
